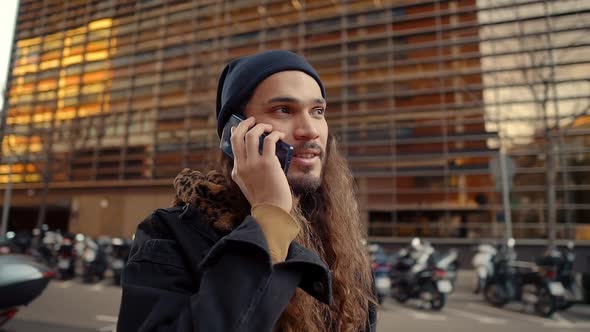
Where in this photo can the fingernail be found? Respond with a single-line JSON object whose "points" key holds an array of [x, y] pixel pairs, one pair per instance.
{"points": [[231, 130]]}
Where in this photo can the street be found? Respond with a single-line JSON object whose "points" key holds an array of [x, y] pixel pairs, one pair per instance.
{"points": [[72, 306]]}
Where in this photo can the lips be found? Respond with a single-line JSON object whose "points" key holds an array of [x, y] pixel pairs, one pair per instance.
{"points": [[308, 154], [306, 158]]}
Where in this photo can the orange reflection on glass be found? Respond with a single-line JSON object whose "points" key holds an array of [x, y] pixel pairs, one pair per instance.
{"points": [[88, 110], [93, 77], [96, 56], [28, 42], [71, 60], [100, 24], [49, 64], [64, 96]]}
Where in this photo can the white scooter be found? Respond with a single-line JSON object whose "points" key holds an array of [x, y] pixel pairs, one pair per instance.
{"points": [[482, 262]]}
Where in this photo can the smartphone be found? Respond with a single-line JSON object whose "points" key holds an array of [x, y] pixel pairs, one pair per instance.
{"points": [[284, 151]]}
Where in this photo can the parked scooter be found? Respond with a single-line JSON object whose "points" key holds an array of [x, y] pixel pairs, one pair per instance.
{"points": [[45, 252], [448, 262], [66, 258], [6, 245], [22, 280], [558, 266], [416, 275], [120, 249], [521, 281], [482, 263], [94, 261], [381, 268]]}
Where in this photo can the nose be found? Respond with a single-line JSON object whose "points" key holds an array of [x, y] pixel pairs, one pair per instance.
{"points": [[305, 128]]}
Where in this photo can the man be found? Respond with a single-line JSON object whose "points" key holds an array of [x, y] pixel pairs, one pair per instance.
{"points": [[249, 248]]}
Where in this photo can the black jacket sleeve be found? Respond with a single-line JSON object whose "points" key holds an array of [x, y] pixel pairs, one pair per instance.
{"points": [[237, 288]]}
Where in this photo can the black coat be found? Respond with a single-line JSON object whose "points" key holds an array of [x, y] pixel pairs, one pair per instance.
{"points": [[182, 276]]}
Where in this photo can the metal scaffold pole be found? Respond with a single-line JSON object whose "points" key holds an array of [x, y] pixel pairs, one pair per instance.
{"points": [[6, 205], [506, 194]]}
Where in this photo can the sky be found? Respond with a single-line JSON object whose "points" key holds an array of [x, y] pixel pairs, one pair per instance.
{"points": [[7, 16]]}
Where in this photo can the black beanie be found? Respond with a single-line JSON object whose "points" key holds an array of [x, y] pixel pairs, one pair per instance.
{"points": [[240, 78]]}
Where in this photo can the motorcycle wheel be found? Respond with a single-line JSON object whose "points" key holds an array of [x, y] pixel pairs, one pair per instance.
{"points": [[438, 300], [400, 294], [566, 305], [545, 305], [88, 276], [479, 286], [496, 294]]}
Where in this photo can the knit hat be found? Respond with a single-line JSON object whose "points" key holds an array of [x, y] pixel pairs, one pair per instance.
{"points": [[240, 78]]}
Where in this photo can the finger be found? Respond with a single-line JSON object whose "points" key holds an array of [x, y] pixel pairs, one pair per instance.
{"points": [[237, 139], [270, 143], [253, 139]]}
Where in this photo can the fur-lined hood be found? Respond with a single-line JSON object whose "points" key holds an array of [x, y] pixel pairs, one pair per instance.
{"points": [[211, 194]]}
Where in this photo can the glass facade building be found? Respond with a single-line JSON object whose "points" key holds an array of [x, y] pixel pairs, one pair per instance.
{"points": [[108, 100]]}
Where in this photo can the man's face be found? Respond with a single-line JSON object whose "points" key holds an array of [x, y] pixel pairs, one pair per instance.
{"points": [[292, 102]]}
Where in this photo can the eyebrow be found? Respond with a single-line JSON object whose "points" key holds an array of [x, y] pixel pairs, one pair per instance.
{"points": [[291, 100]]}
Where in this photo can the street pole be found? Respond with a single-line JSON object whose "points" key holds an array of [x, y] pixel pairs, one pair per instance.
{"points": [[550, 161], [550, 177], [6, 206], [505, 195]]}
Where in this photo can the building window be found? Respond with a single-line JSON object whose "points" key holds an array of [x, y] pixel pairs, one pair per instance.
{"points": [[322, 24], [176, 50], [399, 11], [145, 56]]}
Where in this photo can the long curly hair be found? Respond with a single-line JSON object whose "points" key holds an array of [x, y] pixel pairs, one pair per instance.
{"points": [[330, 226]]}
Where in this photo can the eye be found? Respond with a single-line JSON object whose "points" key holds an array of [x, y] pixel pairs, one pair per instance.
{"points": [[318, 111], [281, 110]]}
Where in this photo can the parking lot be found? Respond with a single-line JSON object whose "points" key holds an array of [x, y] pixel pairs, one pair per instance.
{"points": [[73, 306]]}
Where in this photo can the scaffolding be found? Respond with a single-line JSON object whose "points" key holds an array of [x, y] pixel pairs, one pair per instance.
{"points": [[422, 95]]}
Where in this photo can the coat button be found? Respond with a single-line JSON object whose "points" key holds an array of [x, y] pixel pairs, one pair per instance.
{"points": [[318, 287]]}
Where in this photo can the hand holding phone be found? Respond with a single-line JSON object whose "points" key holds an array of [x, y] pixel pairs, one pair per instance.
{"points": [[261, 161], [283, 150]]}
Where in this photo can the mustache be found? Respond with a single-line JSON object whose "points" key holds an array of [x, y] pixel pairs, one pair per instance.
{"points": [[309, 146]]}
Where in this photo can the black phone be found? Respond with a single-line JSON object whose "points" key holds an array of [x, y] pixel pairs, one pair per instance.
{"points": [[284, 151]]}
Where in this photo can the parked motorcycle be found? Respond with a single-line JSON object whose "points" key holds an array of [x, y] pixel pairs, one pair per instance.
{"points": [[94, 261], [22, 280], [21, 242], [558, 266], [448, 262], [482, 263], [6, 244], [120, 249], [45, 252], [381, 268], [521, 281], [66, 258], [417, 275]]}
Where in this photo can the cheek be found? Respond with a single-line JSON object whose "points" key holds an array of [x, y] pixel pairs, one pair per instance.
{"points": [[324, 135]]}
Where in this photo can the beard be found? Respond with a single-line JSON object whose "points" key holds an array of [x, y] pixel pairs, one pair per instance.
{"points": [[306, 183], [303, 185]]}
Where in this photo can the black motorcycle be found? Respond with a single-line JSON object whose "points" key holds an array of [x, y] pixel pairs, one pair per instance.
{"points": [[22, 280], [94, 261], [45, 250], [22, 242], [120, 249], [66, 257], [416, 275], [521, 281], [559, 267]]}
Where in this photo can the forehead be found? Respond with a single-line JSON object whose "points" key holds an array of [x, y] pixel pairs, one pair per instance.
{"points": [[292, 83]]}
